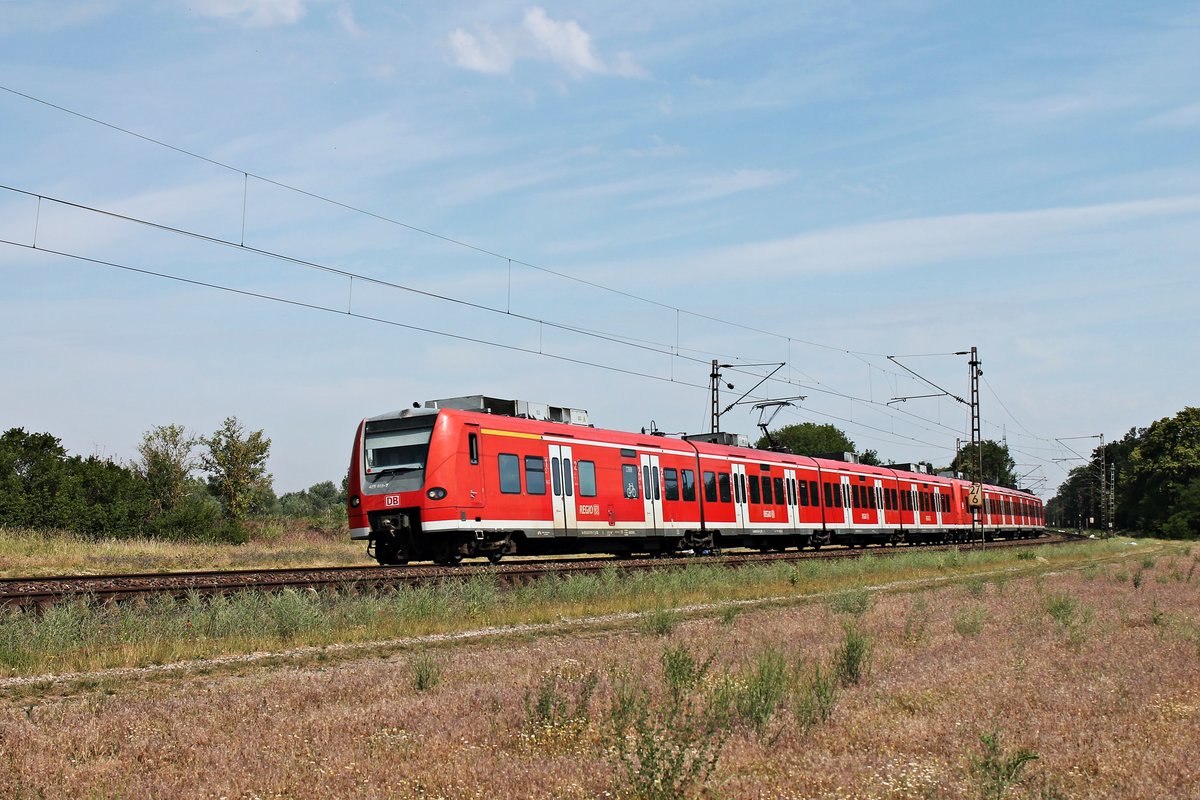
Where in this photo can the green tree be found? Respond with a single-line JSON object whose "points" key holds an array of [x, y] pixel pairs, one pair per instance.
{"points": [[42, 487], [810, 439], [236, 463], [1161, 466], [166, 460], [999, 469], [870, 457]]}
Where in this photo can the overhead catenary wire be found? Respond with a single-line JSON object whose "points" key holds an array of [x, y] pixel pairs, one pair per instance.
{"points": [[672, 351]]}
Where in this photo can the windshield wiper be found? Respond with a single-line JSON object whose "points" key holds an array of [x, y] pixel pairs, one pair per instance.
{"points": [[376, 474]]}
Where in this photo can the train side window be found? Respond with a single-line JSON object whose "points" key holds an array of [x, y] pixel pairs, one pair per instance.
{"points": [[535, 475], [813, 494], [629, 479], [755, 497], [568, 478], [657, 495], [473, 447], [723, 481], [556, 476], [837, 496], [689, 486], [587, 478], [803, 493], [741, 486], [828, 494], [670, 483], [710, 487], [872, 500], [510, 473], [768, 496]]}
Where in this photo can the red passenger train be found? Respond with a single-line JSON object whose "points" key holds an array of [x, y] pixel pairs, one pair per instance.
{"points": [[476, 476]]}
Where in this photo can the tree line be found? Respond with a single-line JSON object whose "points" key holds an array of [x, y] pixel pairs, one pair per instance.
{"points": [[180, 486], [1152, 476]]}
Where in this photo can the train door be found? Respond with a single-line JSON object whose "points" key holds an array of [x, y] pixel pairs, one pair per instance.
{"points": [[847, 502], [793, 501], [652, 493], [914, 495], [562, 487], [471, 476], [937, 506], [877, 489], [741, 505]]}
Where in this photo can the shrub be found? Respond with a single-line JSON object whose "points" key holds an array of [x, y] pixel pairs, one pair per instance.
{"points": [[814, 699], [854, 602], [763, 690], [852, 659]]}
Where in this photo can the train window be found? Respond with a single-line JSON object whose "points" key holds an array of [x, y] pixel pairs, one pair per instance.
{"points": [[657, 496], [710, 487], [871, 499], [629, 478], [670, 483], [555, 476], [755, 497], [853, 498], [804, 493], [587, 478], [473, 447], [768, 495], [837, 496], [723, 481], [828, 494], [627, 453], [791, 491], [510, 473], [779, 498], [535, 475], [689, 486], [568, 478], [813, 494]]}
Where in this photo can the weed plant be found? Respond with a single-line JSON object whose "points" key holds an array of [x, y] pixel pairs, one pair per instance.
{"points": [[916, 621], [852, 659], [968, 622], [763, 690], [995, 771], [426, 671], [854, 601]]}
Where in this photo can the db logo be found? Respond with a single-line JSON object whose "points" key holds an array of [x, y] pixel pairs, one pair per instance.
{"points": [[391, 500]]}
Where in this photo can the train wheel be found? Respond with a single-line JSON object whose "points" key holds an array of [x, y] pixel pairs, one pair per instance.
{"points": [[495, 557]]}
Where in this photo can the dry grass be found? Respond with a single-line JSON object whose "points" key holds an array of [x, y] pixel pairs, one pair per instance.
{"points": [[29, 553], [1100, 679]]}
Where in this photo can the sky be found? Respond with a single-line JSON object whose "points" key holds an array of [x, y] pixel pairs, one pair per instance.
{"points": [[304, 212]]}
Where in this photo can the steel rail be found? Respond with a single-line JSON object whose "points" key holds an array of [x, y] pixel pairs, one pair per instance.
{"points": [[39, 591]]}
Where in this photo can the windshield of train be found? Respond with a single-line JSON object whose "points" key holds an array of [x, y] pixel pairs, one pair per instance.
{"points": [[397, 445]]}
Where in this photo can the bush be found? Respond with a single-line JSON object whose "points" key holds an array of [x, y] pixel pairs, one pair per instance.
{"points": [[852, 659]]}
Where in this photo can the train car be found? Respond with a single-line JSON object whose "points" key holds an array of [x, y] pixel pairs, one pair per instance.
{"points": [[476, 476]]}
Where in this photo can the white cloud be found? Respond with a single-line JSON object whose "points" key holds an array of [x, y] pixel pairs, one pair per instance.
{"points": [[483, 53], [345, 17], [1184, 117], [253, 13], [933, 240], [561, 42]]}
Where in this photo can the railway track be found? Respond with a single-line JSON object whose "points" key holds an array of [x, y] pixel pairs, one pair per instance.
{"points": [[116, 587]]}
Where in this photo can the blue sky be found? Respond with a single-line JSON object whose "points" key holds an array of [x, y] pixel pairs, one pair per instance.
{"points": [[821, 184]]}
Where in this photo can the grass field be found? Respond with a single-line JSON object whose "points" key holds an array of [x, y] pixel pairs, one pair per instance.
{"points": [[275, 543], [1017, 678]]}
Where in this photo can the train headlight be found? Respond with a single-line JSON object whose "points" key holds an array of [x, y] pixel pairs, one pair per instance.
{"points": [[436, 493], [355, 501]]}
